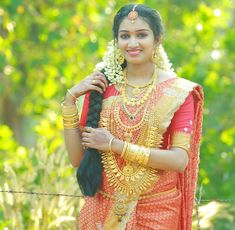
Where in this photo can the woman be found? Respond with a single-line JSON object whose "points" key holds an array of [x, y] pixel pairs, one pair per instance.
{"points": [[136, 144]]}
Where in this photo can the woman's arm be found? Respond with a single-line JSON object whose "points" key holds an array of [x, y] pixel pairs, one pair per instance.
{"points": [[72, 136], [175, 159]]}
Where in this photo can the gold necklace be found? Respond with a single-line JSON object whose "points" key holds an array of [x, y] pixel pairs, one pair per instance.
{"points": [[136, 101], [129, 114], [137, 88], [130, 180], [129, 129], [133, 179]]}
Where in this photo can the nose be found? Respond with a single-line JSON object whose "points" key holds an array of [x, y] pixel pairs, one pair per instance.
{"points": [[133, 43]]}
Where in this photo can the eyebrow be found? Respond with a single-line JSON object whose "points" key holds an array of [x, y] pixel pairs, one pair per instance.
{"points": [[141, 30]]}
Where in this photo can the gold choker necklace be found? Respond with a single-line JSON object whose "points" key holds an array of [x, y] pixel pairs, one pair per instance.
{"points": [[144, 85], [143, 97]]}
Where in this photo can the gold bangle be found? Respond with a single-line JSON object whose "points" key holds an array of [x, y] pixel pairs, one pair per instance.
{"points": [[71, 124], [135, 153], [124, 149], [110, 144], [72, 127], [72, 95], [70, 115], [68, 107], [69, 111], [71, 108]]}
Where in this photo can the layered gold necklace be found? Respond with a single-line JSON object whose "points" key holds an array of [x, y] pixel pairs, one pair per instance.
{"points": [[132, 179], [139, 93]]}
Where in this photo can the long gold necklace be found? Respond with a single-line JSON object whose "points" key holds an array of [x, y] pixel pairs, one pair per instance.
{"points": [[132, 179], [131, 115], [129, 129]]}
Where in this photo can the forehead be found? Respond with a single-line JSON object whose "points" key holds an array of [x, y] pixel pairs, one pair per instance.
{"points": [[139, 24]]}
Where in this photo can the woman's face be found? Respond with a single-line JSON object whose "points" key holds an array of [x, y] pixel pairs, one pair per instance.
{"points": [[136, 41]]}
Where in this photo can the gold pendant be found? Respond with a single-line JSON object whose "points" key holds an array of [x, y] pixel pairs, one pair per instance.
{"points": [[128, 137], [128, 170], [136, 91], [120, 207]]}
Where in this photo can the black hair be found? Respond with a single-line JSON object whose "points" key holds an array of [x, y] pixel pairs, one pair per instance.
{"points": [[89, 173], [149, 15]]}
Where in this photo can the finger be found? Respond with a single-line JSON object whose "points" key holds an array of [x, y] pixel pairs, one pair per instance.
{"points": [[85, 140], [96, 88], [99, 75], [86, 134], [99, 82], [85, 145], [88, 129], [94, 74], [102, 77]]}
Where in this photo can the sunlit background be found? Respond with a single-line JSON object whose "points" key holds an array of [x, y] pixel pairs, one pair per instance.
{"points": [[47, 46]]}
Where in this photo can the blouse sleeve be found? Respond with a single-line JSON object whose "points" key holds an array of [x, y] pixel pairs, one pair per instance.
{"points": [[181, 126], [84, 110]]}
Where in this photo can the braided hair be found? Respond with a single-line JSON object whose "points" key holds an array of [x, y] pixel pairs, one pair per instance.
{"points": [[89, 173]]}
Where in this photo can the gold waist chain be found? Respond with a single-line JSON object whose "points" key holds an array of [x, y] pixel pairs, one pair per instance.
{"points": [[141, 197]]}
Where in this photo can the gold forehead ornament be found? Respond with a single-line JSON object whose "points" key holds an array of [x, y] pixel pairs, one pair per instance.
{"points": [[133, 15]]}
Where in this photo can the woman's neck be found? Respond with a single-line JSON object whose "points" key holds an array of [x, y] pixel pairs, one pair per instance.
{"points": [[139, 73]]}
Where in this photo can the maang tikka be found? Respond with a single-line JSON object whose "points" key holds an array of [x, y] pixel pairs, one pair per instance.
{"points": [[133, 15]]}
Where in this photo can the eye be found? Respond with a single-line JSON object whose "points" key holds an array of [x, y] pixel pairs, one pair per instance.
{"points": [[142, 35], [124, 36]]}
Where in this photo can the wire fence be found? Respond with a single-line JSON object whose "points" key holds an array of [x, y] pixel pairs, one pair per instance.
{"points": [[198, 199]]}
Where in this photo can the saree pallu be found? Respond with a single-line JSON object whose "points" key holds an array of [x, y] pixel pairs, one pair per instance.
{"points": [[167, 204]]}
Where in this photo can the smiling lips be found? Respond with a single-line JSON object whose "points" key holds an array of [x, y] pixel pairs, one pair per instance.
{"points": [[134, 52]]}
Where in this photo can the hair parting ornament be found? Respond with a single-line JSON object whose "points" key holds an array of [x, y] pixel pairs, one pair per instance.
{"points": [[133, 15]]}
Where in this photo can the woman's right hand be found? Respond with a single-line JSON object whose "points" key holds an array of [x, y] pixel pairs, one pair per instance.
{"points": [[94, 82]]}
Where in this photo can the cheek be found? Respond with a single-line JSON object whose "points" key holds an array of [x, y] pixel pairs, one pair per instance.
{"points": [[121, 45]]}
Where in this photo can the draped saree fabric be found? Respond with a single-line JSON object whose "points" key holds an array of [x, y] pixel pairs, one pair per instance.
{"points": [[176, 108]]}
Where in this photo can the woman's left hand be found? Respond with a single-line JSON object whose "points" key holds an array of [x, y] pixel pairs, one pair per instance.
{"points": [[96, 138]]}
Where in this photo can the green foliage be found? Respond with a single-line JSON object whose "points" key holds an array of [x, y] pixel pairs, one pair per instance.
{"points": [[48, 46], [39, 171]]}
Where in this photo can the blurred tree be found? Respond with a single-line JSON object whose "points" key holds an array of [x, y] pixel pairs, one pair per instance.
{"points": [[47, 46]]}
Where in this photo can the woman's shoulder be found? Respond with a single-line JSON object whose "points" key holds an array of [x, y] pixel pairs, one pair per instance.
{"points": [[163, 76], [174, 84]]}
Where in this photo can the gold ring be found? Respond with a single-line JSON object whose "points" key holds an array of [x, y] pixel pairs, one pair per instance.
{"points": [[89, 129], [93, 81]]}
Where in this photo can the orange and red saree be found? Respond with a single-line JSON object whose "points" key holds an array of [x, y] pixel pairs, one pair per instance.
{"points": [[152, 199]]}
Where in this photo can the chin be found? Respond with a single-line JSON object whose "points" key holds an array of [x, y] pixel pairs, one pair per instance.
{"points": [[135, 61]]}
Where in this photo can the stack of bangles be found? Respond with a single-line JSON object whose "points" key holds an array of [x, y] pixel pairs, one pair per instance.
{"points": [[70, 116], [134, 153]]}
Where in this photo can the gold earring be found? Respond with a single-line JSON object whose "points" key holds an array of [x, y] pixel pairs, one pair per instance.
{"points": [[155, 55], [111, 63], [119, 57]]}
